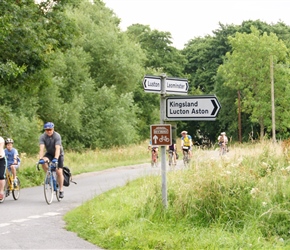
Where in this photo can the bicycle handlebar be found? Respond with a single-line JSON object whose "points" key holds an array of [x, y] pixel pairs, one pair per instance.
{"points": [[48, 162]]}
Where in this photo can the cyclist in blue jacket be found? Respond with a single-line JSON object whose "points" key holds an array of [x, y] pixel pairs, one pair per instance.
{"points": [[12, 157], [50, 141]]}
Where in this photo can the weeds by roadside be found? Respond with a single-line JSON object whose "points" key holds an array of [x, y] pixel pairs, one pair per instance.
{"points": [[240, 201]]}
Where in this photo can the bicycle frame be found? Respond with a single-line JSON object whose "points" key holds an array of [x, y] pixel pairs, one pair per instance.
{"points": [[50, 183], [223, 148], [185, 156], [9, 186]]}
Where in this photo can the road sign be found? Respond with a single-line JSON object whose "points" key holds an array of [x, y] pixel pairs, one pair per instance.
{"points": [[172, 85], [161, 135], [176, 86], [152, 84], [202, 108]]}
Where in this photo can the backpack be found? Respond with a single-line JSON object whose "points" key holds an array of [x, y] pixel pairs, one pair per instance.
{"points": [[67, 177]]}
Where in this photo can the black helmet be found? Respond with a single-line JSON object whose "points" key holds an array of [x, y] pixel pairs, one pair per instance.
{"points": [[9, 140]]}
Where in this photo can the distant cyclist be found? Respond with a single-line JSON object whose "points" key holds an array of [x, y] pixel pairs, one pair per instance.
{"points": [[223, 141], [154, 152], [186, 141], [173, 148], [2, 168], [13, 160], [51, 142]]}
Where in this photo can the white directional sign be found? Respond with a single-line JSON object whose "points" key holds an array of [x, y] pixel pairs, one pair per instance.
{"points": [[202, 108], [172, 85], [152, 84], [176, 86]]}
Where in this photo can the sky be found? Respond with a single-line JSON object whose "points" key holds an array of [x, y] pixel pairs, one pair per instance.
{"points": [[187, 19]]}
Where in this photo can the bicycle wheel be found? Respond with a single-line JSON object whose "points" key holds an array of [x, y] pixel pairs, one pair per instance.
{"points": [[170, 159], [185, 159], [48, 188], [16, 190], [57, 188]]}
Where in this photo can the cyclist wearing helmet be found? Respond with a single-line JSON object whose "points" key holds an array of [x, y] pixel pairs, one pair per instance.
{"points": [[2, 168], [186, 141], [50, 141], [12, 157]]}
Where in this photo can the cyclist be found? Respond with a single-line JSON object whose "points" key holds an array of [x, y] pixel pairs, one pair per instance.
{"points": [[12, 157], [2, 168], [50, 141], [173, 148], [222, 141], [186, 141], [154, 151]]}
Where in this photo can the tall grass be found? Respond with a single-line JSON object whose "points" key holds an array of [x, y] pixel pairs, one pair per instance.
{"points": [[88, 161], [240, 201]]}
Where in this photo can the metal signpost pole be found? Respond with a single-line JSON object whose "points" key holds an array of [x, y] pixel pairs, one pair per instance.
{"points": [[163, 148]]}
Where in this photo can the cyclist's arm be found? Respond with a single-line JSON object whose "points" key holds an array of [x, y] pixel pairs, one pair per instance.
{"points": [[57, 151], [41, 151]]}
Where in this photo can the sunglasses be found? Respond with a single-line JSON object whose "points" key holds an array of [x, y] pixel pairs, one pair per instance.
{"points": [[48, 129]]}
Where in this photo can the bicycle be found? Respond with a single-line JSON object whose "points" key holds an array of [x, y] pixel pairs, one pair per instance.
{"points": [[10, 187], [154, 158], [185, 156], [223, 148], [171, 157], [50, 182]]}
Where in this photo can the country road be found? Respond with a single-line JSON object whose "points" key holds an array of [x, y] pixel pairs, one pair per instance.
{"points": [[29, 223]]}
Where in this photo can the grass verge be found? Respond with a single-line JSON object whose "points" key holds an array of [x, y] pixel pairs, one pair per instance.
{"points": [[240, 201]]}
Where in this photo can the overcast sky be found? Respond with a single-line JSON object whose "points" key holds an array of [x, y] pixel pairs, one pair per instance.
{"points": [[187, 19]]}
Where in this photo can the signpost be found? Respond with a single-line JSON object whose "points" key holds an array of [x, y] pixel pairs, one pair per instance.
{"points": [[176, 108], [200, 108], [161, 135]]}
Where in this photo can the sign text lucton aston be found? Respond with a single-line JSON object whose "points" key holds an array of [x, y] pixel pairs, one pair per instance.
{"points": [[192, 108]]}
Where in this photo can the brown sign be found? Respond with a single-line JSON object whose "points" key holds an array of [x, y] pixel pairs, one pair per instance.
{"points": [[161, 135]]}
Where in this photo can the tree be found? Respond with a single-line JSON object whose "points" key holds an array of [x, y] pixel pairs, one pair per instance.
{"points": [[247, 69]]}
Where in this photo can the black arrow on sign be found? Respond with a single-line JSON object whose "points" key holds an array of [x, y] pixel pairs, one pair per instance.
{"points": [[144, 83], [215, 107]]}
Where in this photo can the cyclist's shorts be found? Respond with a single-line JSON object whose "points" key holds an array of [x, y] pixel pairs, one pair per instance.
{"points": [[15, 165], [60, 159], [187, 149], [2, 168]]}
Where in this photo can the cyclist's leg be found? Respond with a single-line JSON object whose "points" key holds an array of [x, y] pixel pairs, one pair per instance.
{"points": [[190, 152], [46, 157], [2, 177], [60, 175], [174, 157]]}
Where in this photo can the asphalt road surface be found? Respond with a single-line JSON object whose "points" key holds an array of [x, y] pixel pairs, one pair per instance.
{"points": [[30, 223]]}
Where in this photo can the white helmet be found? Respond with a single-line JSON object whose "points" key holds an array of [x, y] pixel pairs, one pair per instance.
{"points": [[223, 133]]}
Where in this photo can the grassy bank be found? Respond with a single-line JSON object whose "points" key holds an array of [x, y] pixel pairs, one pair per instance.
{"points": [[241, 201], [85, 162]]}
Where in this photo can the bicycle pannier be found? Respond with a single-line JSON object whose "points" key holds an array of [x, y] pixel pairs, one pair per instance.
{"points": [[67, 177]]}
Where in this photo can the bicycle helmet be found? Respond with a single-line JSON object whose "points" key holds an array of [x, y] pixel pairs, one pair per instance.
{"points": [[48, 125], [183, 132], [8, 140], [223, 133]]}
